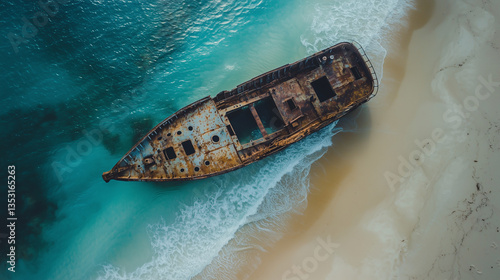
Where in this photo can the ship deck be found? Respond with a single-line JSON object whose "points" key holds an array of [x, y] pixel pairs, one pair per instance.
{"points": [[253, 120]]}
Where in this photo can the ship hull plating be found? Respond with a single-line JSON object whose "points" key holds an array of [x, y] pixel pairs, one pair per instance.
{"points": [[260, 117]]}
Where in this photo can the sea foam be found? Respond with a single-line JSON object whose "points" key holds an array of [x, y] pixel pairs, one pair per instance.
{"points": [[200, 231], [231, 214]]}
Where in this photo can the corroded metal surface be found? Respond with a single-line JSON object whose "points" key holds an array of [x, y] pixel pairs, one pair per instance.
{"points": [[199, 124], [253, 120]]}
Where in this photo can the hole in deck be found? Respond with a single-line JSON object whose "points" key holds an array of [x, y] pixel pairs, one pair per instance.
{"points": [[230, 129], [179, 132], [207, 162], [190, 128], [355, 72], [169, 134], [169, 153], [148, 161], [215, 138], [244, 125], [188, 147], [269, 115], [196, 169], [323, 89], [291, 104], [182, 169]]}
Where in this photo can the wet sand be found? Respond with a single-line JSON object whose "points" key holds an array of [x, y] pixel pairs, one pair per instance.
{"points": [[408, 190]]}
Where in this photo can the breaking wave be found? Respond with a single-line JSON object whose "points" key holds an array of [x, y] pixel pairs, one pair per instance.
{"points": [[178, 52], [200, 231], [247, 209]]}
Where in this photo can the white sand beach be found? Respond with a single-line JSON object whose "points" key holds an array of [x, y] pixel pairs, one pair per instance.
{"points": [[408, 190], [412, 191]]}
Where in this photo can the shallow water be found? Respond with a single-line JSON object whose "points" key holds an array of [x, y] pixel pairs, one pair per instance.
{"points": [[99, 74]]}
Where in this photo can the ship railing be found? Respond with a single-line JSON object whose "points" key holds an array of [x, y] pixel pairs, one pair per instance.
{"points": [[268, 77], [370, 66]]}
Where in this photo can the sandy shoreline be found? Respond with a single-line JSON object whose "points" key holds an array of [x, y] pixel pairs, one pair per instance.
{"points": [[436, 220]]}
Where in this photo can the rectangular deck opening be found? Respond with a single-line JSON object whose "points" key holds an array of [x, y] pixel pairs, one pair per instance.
{"points": [[188, 147], [291, 104], [269, 115], [355, 72], [244, 125], [230, 130], [323, 89], [169, 153]]}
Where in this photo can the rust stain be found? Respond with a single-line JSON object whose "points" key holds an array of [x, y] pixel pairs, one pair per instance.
{"points": [[213, 136]]}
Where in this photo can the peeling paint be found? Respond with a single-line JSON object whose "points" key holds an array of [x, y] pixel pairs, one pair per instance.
{"points": [[283, 106]]}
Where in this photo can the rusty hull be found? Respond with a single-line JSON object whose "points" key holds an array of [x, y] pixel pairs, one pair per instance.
{"points": [[201, 139]]}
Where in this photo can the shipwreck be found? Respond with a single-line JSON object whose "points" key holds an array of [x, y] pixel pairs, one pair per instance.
{"points": [[260, 117]]}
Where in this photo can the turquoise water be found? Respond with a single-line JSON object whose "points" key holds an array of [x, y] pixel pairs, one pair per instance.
{"points": [[99, 74]]}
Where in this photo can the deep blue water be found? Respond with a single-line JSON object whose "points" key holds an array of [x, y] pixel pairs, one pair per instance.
{"points": [[79, 89]]}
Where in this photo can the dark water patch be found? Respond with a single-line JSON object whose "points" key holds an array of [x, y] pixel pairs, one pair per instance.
{"points": [[102, 60], [28, 146], [34, 135], [105, 49], [33, 210], [49, 115], [112, 142], [140, 127]]}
